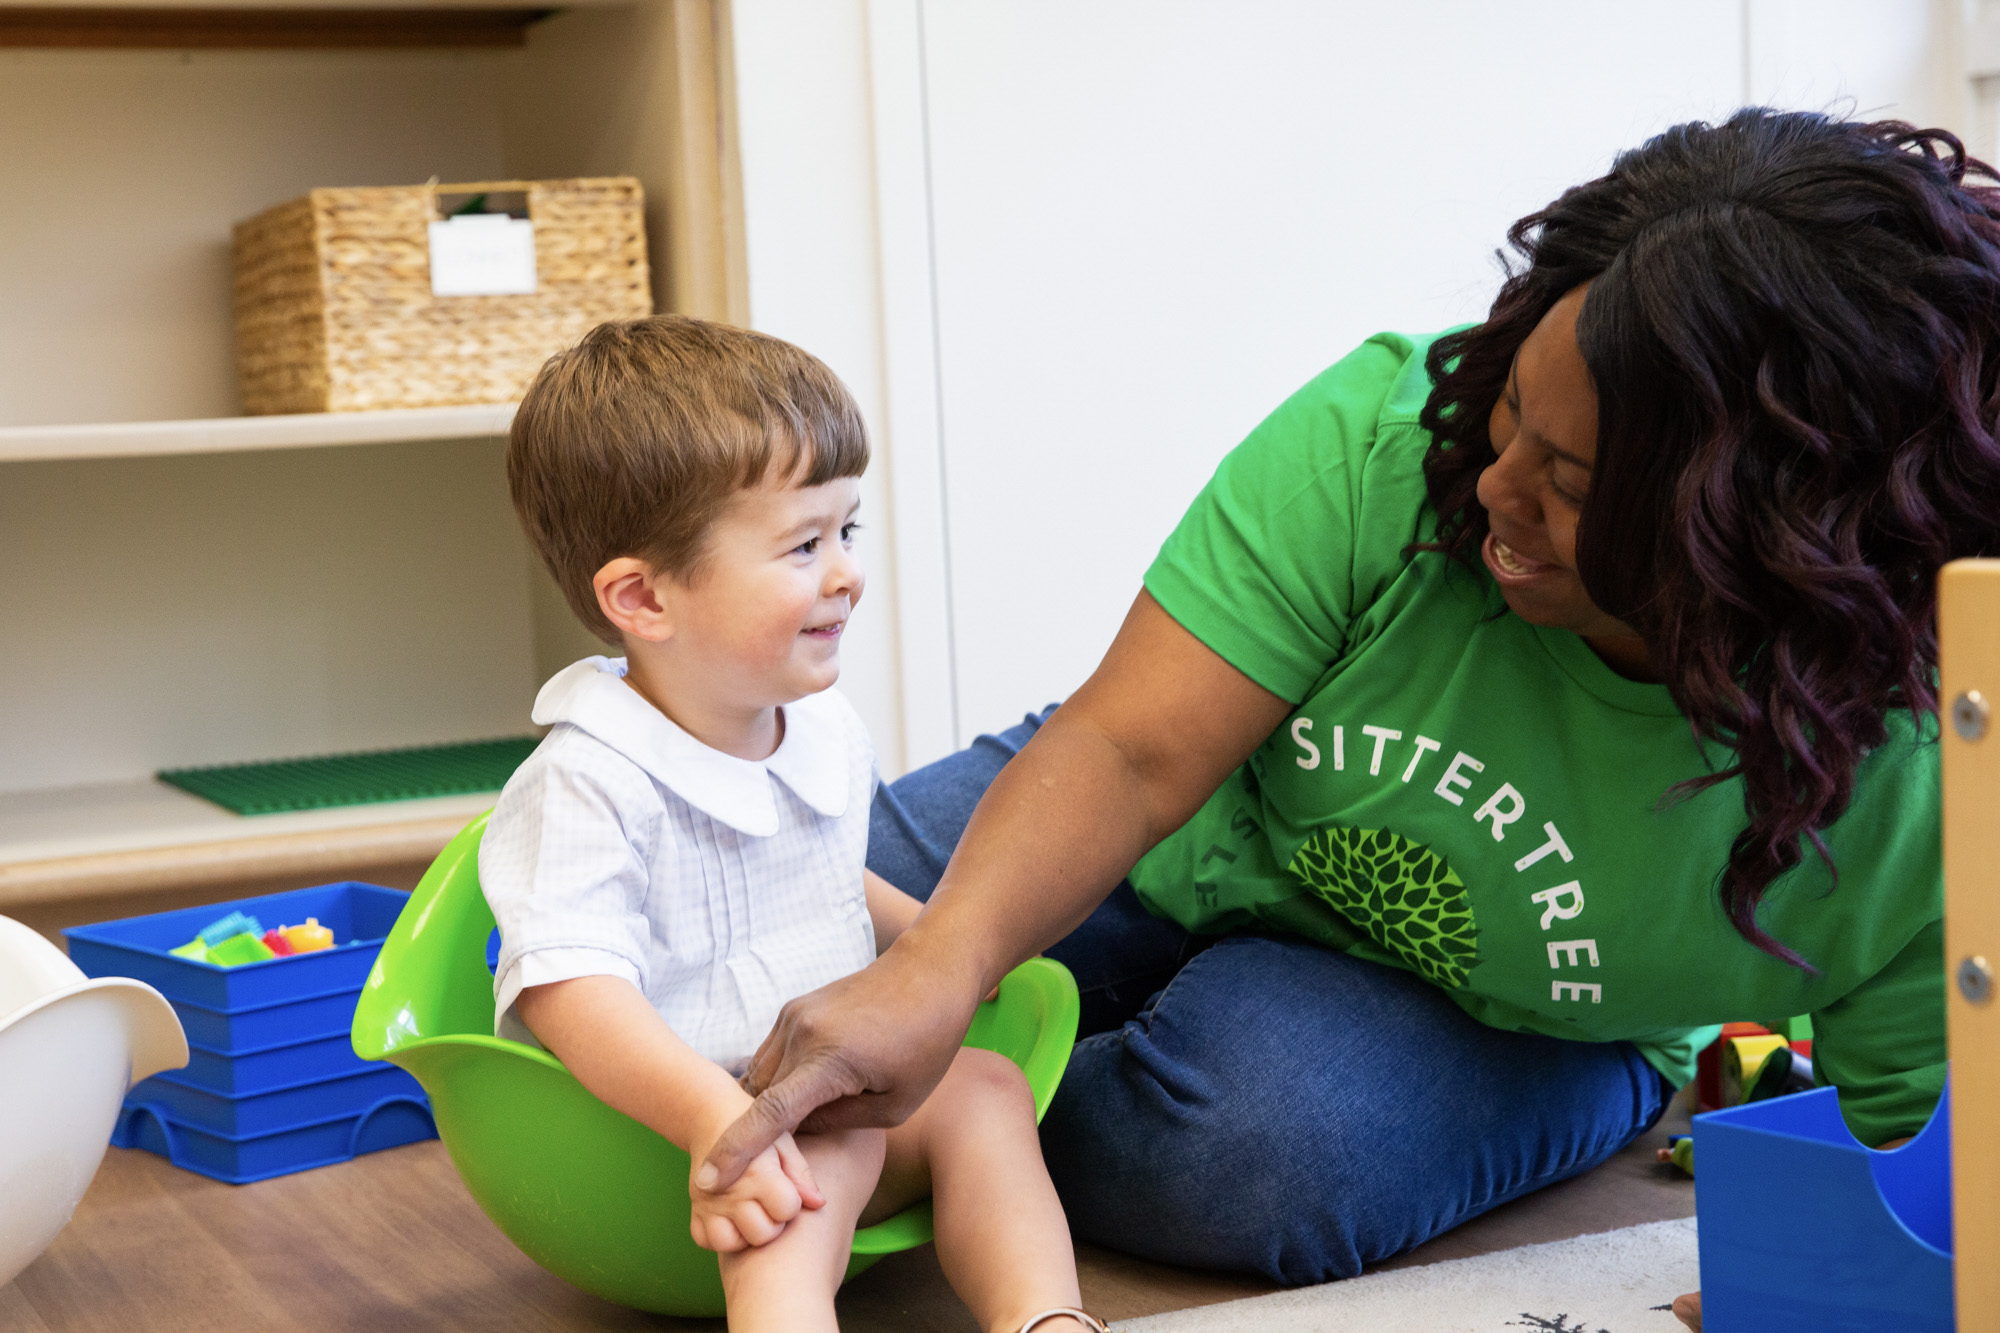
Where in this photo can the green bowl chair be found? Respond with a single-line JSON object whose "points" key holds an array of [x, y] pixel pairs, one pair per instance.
{"points": [[587, 1192]]}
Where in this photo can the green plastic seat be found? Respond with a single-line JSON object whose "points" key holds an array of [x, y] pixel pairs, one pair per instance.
{"points": [[585, 1191]]}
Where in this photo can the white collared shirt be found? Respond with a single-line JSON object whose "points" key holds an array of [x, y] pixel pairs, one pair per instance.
{"points": [[720, 887]]}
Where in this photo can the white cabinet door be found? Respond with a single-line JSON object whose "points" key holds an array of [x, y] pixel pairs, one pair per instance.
{"points": [[1154, 221]]}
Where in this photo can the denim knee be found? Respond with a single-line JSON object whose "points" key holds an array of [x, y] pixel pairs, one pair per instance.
{"points": [[1285, 1110]]}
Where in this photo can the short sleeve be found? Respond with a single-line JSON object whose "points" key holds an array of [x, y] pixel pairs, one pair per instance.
{"points": [[562, 870], [1286, 544], [545, 967], [1883, 1043]]}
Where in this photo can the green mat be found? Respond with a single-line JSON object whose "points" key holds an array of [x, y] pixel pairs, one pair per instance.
{"points": [[355, 779]]}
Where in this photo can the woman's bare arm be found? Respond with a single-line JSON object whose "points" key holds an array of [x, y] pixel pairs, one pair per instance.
{"points": [[1150, 736], [890, 910]]}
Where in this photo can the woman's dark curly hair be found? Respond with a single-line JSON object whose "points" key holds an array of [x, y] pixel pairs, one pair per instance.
{"points": [[1793, 325]]}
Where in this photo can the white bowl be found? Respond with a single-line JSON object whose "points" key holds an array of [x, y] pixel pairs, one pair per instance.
{"points": [[70, 1049]]}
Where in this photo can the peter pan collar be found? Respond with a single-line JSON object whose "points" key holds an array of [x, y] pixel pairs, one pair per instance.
{"points": [[811, 760]]}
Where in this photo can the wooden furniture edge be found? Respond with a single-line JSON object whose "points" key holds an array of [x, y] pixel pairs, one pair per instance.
{"points": [[220, 435], [698, 238], [329, 852], [1969, 660], [270, 28]]}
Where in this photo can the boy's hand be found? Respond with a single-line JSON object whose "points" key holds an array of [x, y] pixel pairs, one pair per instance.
{"points": [[756, 1208]]}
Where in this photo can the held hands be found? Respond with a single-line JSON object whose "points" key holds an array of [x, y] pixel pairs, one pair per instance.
{"points": [[863, 1051], [625, 1054], [754, 1208]]}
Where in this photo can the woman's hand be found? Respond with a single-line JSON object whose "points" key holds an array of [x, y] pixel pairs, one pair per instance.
{"points": [[865, 1050], [1123, 763], [618, 1047]]}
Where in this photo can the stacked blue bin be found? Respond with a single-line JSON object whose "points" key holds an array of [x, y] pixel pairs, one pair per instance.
{"points": [[272, 1083], [1803, 1230]]}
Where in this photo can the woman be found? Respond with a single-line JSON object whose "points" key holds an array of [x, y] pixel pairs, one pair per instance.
{"points": [[1512, 707]]}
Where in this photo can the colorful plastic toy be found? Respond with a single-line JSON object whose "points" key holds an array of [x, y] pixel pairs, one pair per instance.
{"points": [[1803, 1230], [238, 938], [588, 1193], [1742, 1058], [236, 923], [309, 938], [70, 1047], [238, 950], [1729, 1067]]}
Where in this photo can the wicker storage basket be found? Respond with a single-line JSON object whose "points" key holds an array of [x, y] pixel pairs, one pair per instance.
{"points": [[334, 311]]}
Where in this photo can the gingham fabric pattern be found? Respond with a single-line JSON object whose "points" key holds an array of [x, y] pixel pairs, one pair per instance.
{"points": [[718, 886]]}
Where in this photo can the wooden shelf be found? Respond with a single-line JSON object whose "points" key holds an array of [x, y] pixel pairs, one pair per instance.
{"points": [[126, 328], [266, 27], [134, 836], [140, 439]]}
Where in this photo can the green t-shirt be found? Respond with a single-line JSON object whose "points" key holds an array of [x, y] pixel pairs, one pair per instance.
{"points": [[1476, 799]]}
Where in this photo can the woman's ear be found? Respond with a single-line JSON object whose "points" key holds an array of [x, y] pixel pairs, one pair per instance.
{"points": [[628, 594]]}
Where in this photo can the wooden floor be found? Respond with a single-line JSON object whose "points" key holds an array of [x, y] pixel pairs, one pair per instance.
{"points": [[392, 1241]]}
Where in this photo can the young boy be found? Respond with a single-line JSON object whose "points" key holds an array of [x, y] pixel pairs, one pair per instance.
{"points": [[683, 853]]}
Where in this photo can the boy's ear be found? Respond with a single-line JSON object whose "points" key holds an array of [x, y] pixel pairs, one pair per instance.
{"points": [[627, 593]]}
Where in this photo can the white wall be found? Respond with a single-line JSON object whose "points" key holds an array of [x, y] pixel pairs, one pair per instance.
{"points": [[1875, 59], [805, 135], [1070, 251]]}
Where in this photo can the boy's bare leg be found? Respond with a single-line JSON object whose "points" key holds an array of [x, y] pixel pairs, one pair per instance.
{"points": [[787, 1286], [1002, 1239]]}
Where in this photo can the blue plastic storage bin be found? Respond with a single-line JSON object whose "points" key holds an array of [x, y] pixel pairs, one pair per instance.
{"points": [[268, 1070], [1803, 1230], [359, 915], [240, 1159], [266, 1025], [278, 1110], [272, 1083]]}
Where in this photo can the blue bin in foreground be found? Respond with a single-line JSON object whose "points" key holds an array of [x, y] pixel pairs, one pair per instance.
{"points": [[272, 1083], [1803, 1230]]}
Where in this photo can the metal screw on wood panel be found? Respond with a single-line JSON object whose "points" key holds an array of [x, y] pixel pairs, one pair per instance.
{"points": [[1968, 715], [1975, 980]]}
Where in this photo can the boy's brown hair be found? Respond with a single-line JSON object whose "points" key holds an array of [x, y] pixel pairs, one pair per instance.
{"points": [[632, 442]]}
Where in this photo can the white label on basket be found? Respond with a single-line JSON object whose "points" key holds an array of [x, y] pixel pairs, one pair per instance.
{"points": [[483, 254]]}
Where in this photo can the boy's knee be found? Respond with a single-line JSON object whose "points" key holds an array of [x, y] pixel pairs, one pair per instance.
{"points": [[986, 1079], [839, 1154]]}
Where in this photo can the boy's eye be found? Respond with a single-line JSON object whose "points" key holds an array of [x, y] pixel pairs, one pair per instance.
{"points": [[847, 531], [806, 547]]}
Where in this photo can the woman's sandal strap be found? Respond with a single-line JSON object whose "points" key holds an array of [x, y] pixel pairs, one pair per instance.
{"points": [[1080, 1315]]}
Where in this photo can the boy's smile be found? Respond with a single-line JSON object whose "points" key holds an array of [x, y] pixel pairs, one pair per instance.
{"points": [[756, 624]]}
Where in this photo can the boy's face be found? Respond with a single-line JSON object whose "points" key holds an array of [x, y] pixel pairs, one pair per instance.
{"points": [[760, 623]]}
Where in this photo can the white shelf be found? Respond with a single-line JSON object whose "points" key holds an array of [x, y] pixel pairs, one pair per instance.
{"points": [[63, 842], [140, 439], [315, 4]]}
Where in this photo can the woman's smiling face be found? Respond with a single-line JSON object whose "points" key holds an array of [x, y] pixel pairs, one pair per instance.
{"points": [[1544, 431]]}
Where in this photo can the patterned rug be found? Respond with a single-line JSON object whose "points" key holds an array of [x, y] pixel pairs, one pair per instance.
{"points": [[1612, 1282]]}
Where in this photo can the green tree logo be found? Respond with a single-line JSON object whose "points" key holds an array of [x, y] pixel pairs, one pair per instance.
{"points": [[1402, 893]]}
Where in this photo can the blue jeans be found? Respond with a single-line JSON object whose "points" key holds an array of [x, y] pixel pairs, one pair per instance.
{"points": [[1266, 1105]]}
